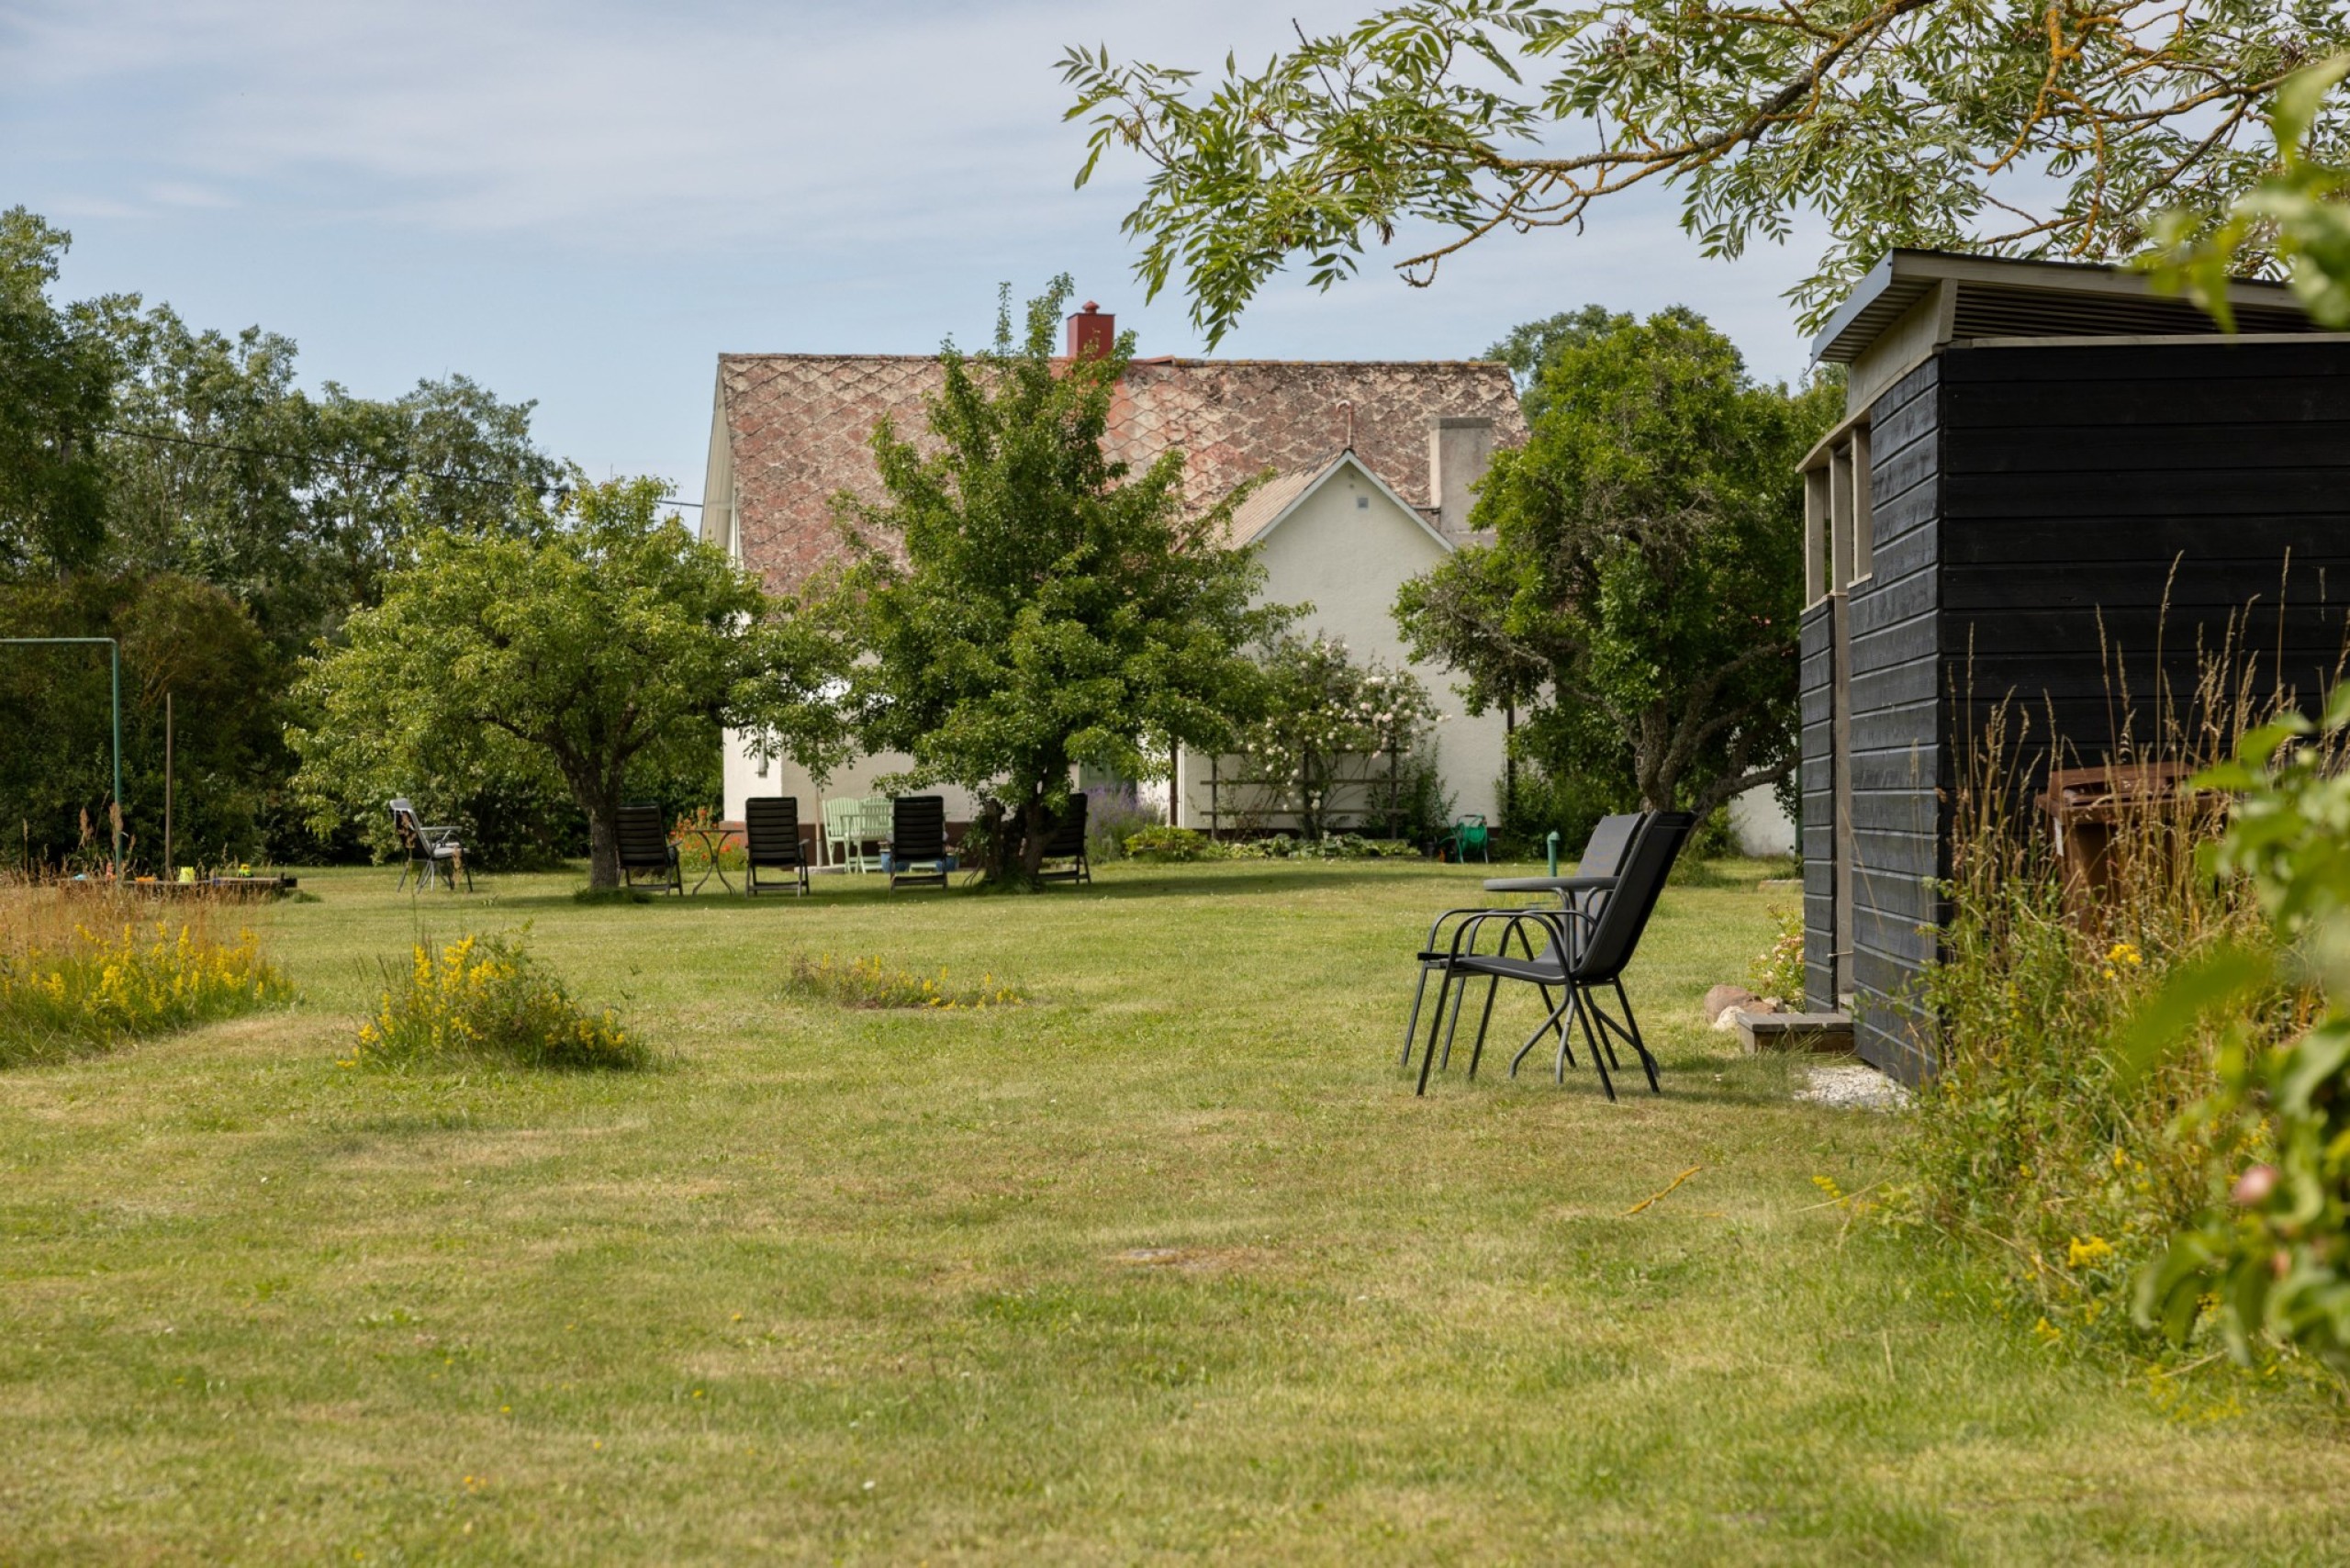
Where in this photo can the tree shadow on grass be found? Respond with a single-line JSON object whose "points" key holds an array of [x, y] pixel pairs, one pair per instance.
{"points": [[1229, 880]]}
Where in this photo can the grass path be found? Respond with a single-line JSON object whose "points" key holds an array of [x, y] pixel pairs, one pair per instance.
{"points": [[1169, 1263]]}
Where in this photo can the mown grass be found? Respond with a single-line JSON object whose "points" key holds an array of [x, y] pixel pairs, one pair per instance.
{"points": [[1168, 1264]]}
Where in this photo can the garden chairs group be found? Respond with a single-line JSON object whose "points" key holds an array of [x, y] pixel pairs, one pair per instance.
{"points": [[1579, 948], [910, 831]]}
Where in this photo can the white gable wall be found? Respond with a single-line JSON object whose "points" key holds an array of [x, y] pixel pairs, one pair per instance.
{"points": [[1346, 546]]}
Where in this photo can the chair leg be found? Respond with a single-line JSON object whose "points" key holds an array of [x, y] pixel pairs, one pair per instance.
{"points": [[1412, 1024], [1561, 1028], [1477, 1051], [1639, 1045], [1591, 1038], [1460, 1000], [1428, 1056], [1565, 1008]]}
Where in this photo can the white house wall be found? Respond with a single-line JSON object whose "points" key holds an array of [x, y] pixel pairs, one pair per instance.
{"points": [[1346, 547], [854, 778]]}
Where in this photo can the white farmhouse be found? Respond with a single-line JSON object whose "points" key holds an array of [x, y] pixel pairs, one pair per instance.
{"points": [[1374, 461]]}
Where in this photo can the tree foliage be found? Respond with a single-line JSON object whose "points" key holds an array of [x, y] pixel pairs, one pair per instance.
{"points": [[135, 446], [56, 380], [600, 645], [1020, 605], [180, 638], [1639, 604], [2051, 129], [2298, 216]]}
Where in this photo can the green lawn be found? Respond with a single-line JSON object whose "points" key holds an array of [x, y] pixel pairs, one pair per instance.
{"points": [[1169, 1263]]}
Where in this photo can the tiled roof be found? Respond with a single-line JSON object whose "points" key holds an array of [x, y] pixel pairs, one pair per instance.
{"points": [[799, 427]]}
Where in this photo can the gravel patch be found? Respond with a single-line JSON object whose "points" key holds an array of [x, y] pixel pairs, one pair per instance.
{"points": [[1853, 1086]]}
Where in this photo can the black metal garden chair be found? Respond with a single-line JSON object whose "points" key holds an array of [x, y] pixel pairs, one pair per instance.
{"points": [[1585, 945], [917, 840], [771, 839], [428, 852], [1603, 856], [1066, 843], [645, 846]]}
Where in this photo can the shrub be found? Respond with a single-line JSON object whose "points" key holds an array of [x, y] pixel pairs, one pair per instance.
{"points": [[1330, 846], [76, 979], [1162, 846], [485, 999], [867, 983]]}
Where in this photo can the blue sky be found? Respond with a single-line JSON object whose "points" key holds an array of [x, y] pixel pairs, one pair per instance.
{"points": [[585, 203]]}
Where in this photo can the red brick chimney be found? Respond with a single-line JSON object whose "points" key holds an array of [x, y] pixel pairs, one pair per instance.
{"points": [[1091, 331]]}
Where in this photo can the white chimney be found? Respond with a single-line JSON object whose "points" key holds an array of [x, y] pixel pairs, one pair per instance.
{"points": [[1460, 448]]}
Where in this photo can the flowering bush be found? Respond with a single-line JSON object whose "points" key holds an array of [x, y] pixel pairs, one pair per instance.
{"points": [[1777, 971], [67, 986], [1327, 721], [867, 983], [486, 999]]}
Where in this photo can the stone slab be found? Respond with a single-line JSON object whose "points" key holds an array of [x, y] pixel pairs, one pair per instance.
{"points": [[1828, 1033]]}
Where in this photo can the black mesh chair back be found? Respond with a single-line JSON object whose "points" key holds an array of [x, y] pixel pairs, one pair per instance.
{"points": [[1612, 938], [1611, 842], [918, 839], [771, 838]]}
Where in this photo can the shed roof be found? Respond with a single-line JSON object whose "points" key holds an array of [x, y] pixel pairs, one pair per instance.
{"points": [[2003, 297], [799, 428]]}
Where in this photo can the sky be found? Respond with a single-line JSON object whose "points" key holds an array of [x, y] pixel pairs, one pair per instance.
{"points": [[585, 203]]}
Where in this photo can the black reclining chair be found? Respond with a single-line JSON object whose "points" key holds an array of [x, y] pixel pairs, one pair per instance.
{"points": [[645, 846], [1066, 842], [771, 839], [918, 839]]}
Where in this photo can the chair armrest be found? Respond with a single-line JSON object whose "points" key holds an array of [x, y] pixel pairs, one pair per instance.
{"points": [[1474, 914]]}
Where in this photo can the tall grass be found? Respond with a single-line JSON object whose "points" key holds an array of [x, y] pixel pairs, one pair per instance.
{"points": [[869, 982], [2040, 1135], [84, 971], [485, 999]]}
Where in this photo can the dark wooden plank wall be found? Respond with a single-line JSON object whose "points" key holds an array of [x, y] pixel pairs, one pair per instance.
{"points": [[1819, 826], [2084, 485], [1896, 739]]}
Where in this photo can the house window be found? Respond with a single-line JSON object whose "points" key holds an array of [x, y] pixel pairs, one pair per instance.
{"points": [[1838, 534]]}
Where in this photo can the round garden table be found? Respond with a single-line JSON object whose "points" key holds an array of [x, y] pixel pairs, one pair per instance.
{"points": [[713, 843]]}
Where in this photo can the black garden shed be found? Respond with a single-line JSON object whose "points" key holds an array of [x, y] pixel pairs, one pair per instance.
{"points": [[2051, 486]]}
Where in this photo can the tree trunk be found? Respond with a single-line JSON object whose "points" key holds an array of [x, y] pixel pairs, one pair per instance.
{"points": [[599, 797], [1038, 822], [603, 842]]}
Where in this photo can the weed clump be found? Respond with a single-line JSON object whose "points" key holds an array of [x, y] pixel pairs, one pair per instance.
{"points": [[74, 981], [486, 999], [867, 983]]}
